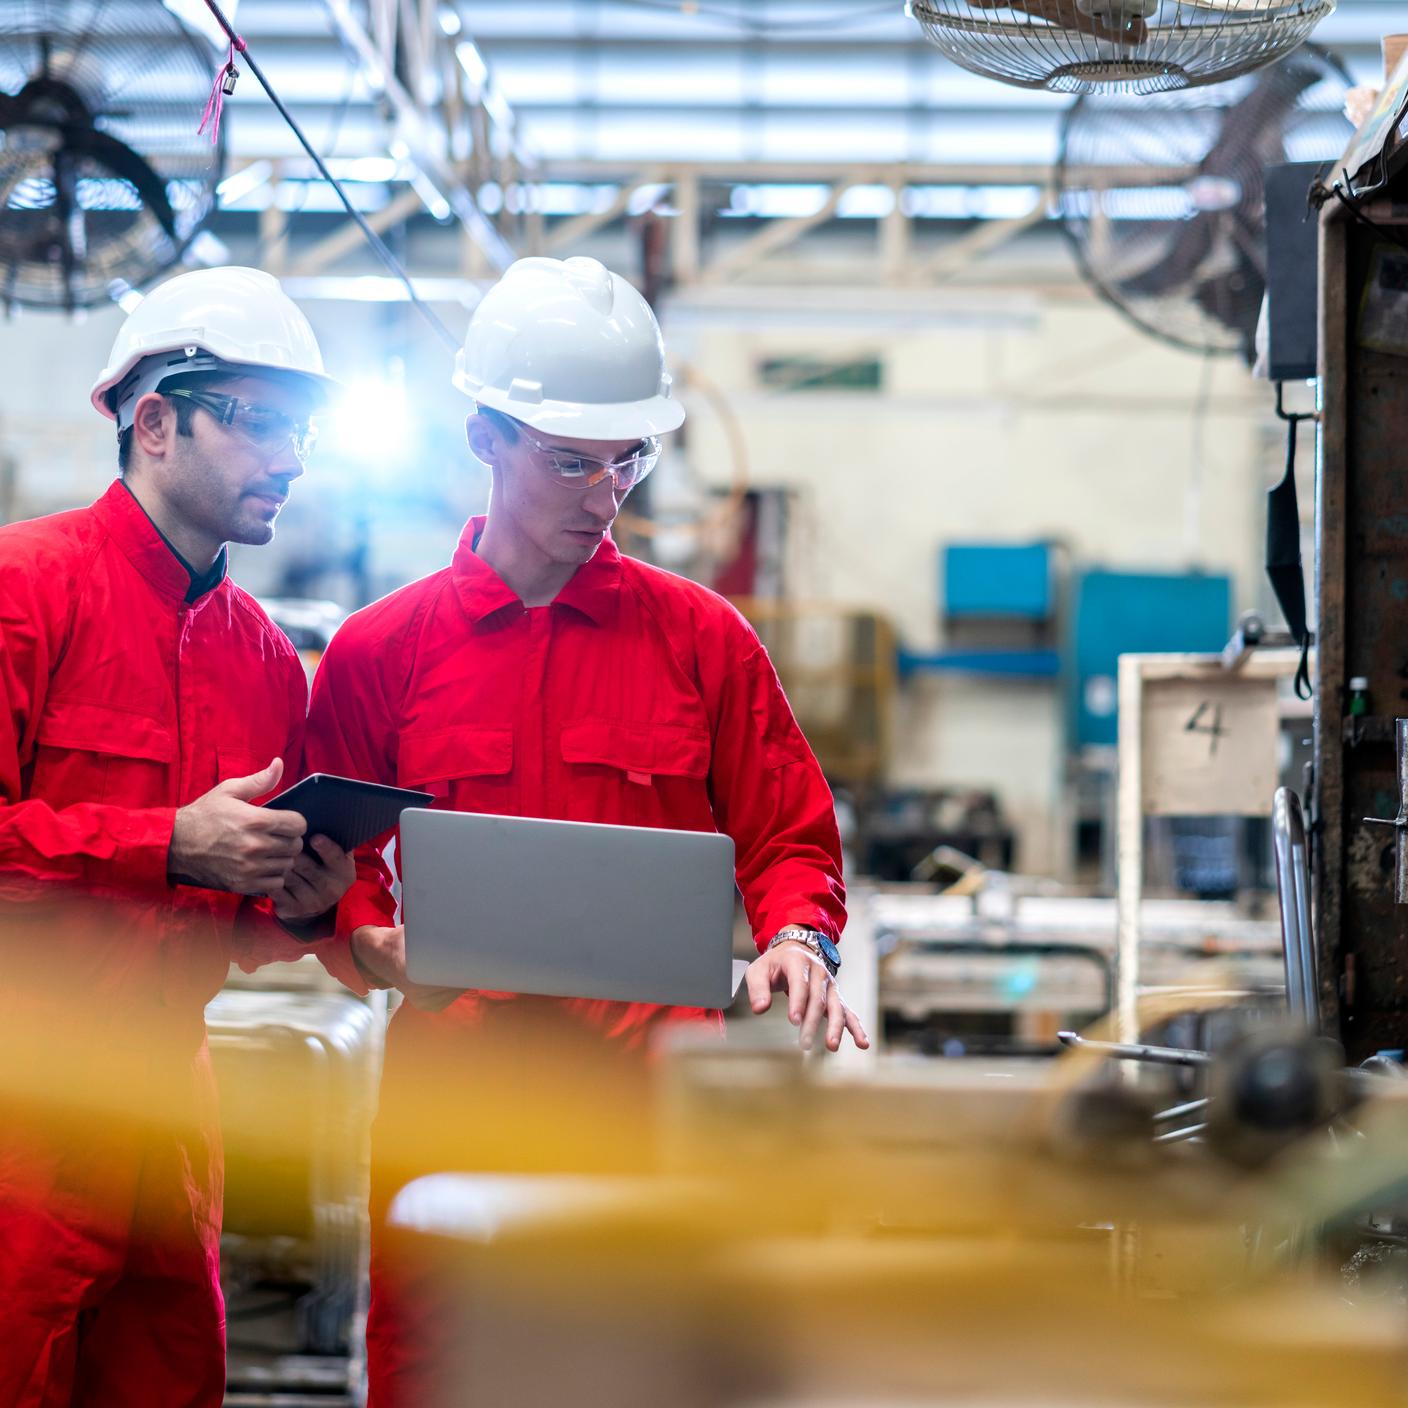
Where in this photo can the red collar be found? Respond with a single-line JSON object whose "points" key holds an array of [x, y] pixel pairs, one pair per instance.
{"points": [[594, 588], [150, 553]]}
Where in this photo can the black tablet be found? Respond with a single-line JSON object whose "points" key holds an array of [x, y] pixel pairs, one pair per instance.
{"points": [[345, 810]]}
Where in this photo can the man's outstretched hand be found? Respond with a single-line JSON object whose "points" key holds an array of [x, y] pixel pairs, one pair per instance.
{"points": [[812, 995]]}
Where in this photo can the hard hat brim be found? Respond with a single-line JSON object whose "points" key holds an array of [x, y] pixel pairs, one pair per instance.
{"points": [[622, 420], [329, 388]]}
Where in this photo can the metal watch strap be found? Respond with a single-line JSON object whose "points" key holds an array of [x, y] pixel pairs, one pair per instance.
{"points": [[810, 938]]}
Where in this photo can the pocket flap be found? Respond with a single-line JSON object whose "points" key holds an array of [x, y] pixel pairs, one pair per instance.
{"points": [[99, 728], [462, 751], [240, 762], [665, 750]]}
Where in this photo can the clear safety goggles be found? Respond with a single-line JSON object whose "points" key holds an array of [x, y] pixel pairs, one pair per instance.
{"points": [[266, 429], [582, 472]]}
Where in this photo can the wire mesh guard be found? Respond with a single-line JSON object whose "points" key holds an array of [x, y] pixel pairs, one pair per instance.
{"points": [[1163, 197], [103, 178], [1145, 46]]}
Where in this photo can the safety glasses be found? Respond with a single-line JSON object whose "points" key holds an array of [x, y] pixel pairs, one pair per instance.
{"points": [[266, 429], [581, 472]]}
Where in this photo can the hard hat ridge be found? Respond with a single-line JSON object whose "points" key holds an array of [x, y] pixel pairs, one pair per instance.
{"points": [[570, 348]]}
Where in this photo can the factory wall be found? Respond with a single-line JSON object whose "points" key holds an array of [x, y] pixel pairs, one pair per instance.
{"points": [[1001, 417]]}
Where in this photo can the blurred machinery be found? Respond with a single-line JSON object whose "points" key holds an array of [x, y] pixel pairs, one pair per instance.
{"points": [[1361, 919], [993, 1231], [999, 972], [298, 1058], [307, 623], [905, 827]]}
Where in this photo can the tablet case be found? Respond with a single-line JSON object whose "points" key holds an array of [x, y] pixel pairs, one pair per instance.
{"points": [[347, 811]]}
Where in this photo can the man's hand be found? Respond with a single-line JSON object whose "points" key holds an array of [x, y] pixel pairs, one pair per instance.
{"points": [[380, 956], [812, 995], [221, 841], [319, 876]]}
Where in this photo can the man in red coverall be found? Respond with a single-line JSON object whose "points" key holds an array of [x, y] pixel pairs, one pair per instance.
{"points": [[145, 703], [544, 674]]}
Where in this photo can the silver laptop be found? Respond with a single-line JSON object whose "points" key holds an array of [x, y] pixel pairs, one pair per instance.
{"points": [[568, 909]]}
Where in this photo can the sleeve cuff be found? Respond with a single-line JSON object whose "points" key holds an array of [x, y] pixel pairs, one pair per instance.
{"points": [[142, 852]]}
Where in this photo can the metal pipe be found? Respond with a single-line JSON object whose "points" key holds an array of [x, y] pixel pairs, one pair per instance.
{"points": [[1400, 840], [1177, 1136], [1293, 888], [1178, 1112], [1136, 1051]]}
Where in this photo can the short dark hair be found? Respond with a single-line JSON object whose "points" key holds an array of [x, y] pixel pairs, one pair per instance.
{"points": [[191, 381], [505, 425]]}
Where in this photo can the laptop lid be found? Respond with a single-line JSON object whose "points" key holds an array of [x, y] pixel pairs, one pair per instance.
{"points": [[568, 909]]}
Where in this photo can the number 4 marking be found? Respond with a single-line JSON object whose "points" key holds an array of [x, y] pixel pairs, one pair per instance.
{"points": [[1214, 730]]}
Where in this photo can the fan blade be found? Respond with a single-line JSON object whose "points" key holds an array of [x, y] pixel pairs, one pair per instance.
{"points": [[1275, 94], [1176, 269], [70, 218], [9, 111], [127, 164]]}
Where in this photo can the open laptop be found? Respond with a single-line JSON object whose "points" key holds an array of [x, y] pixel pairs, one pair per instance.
{"points": [[568, 909]]}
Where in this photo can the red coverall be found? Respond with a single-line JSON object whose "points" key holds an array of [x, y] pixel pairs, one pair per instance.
{"points": [[119, 702], [636, 698]]}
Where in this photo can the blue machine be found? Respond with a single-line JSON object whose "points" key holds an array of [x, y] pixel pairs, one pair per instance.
{"points": [[998, 579], [1120, 613], [988, 589]]}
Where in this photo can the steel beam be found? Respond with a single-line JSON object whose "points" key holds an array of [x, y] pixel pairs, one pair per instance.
{"points": [[773, 237], [421, 130], [347, 237], [570, 232], [987, 237]]}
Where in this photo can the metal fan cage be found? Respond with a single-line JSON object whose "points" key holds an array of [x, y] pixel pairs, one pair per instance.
{"points": [[1142, 46], [1133, 176], [146, 77]]}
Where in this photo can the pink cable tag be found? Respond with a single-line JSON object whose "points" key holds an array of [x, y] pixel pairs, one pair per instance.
{"points": [[221, 89]]}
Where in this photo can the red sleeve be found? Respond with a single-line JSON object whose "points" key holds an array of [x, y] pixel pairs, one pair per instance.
{"points": [[91, 845], [769, 795], [351, 733]]}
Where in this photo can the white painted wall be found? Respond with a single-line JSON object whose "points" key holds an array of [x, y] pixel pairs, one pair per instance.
{"points": [[1006, 417]]}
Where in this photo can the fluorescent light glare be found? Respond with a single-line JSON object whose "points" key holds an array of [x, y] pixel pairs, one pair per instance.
{"points": [[239, 184], [195, 14], [372, 424], [472, 62], [207, 250]]}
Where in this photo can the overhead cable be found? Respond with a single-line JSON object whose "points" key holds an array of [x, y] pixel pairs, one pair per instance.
{"points": [[378, 245]]}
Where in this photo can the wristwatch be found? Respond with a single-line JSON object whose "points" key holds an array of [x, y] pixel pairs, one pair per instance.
{"points": [[819, 944]]}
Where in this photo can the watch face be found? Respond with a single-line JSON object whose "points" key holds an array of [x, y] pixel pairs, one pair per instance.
{"points": [[832, 953]]}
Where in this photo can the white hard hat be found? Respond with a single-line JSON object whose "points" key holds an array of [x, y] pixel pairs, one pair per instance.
{"points": [[568, 347], [209, 319]]}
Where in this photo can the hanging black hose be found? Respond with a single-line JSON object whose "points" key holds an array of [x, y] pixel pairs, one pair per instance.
{"points": [[1283, 560]]}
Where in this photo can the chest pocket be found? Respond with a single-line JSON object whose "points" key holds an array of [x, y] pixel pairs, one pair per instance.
{"points": [[466, 767], [92, 752], [640, 751]]}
